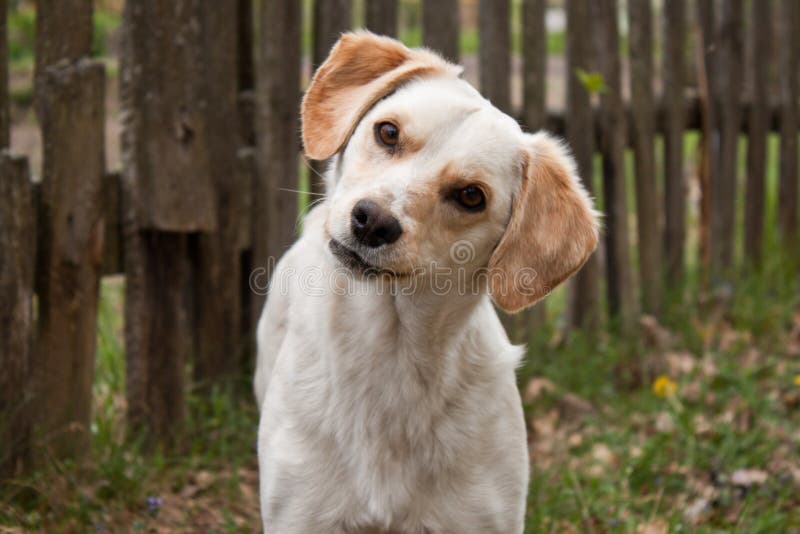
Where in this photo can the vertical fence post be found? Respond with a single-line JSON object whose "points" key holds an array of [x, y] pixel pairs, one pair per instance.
{"points": [[673, 66], [584, 290], [331, 19], [246, 170], [534, 92], [643, 107], [63, 32], [169, 193], [494, 19], [17, 264], [621, 301], [758, 123], [17, 267], [70, 101], [440, 27], [5, 119], [216, 255], [723, 184], [534, 56], [277, 98], [788, 58], [381, 17], [707, 58]]}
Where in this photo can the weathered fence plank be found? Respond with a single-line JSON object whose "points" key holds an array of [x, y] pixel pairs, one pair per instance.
{"points": [[440, 27], [17, 265], [247, 73], [167, 117], [494, 20], [381, 17], [648, 212], [534, 54], [72, 114], [277, 99], [167, 191], [728, 94], [113, 246], [758, 122], [584, 290], [63, 32], [5, 118], [216, 255], [673, 73], [157, 340], [331, 19], [789, 64], [621, 300], [534, 91], [244, 49], [707, 58]]}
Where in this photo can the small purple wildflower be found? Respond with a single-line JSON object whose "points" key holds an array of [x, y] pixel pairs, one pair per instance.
{"points": [[154, 504], [613, 522], [99, 528]]}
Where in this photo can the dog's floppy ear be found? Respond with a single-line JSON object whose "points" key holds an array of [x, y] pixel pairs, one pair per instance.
{"points": [[552, 231], [361, 69]]}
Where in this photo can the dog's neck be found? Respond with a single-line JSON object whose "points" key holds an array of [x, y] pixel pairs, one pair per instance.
{"points": [[386, 328]]}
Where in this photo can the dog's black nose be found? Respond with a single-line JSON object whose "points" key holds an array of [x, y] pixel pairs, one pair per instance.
{"points": [[373, 225]]}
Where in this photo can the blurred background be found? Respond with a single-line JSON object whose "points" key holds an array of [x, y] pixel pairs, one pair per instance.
{"points": [[151, 168]]}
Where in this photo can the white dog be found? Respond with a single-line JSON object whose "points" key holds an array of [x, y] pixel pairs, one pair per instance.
{"points": [[385, 380]]}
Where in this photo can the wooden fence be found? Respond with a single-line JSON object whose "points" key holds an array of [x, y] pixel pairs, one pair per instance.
{"points": [[210, 145]]}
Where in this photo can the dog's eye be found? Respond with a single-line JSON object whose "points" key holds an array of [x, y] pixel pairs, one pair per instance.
{"points": [[387, 134], [471, 198]]}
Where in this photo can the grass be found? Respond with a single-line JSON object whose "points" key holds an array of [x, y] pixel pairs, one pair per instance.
{"points": [[610, 454]]}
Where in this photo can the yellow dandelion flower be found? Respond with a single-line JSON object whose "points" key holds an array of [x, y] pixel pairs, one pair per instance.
{"points": [[664, 387], [797, 380]]}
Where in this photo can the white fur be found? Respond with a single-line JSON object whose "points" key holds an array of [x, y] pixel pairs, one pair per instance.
{"points": [[387, 412]]}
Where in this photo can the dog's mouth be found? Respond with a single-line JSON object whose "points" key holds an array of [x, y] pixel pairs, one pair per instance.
{"points": [[353, 261]]}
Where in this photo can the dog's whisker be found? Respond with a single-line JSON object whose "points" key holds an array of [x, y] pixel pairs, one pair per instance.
{"points": [[300, 191], [306, 209], [307, 163]]}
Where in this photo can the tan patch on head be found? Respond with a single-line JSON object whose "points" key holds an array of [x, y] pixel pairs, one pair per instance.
{"points": [[361, 69], [552, 230]]}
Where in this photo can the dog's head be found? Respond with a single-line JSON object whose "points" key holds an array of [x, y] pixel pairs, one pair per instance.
{"points": [[428, 174]]}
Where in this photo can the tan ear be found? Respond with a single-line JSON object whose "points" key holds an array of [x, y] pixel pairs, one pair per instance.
{"points": [[552, 231], [361, 69]]}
